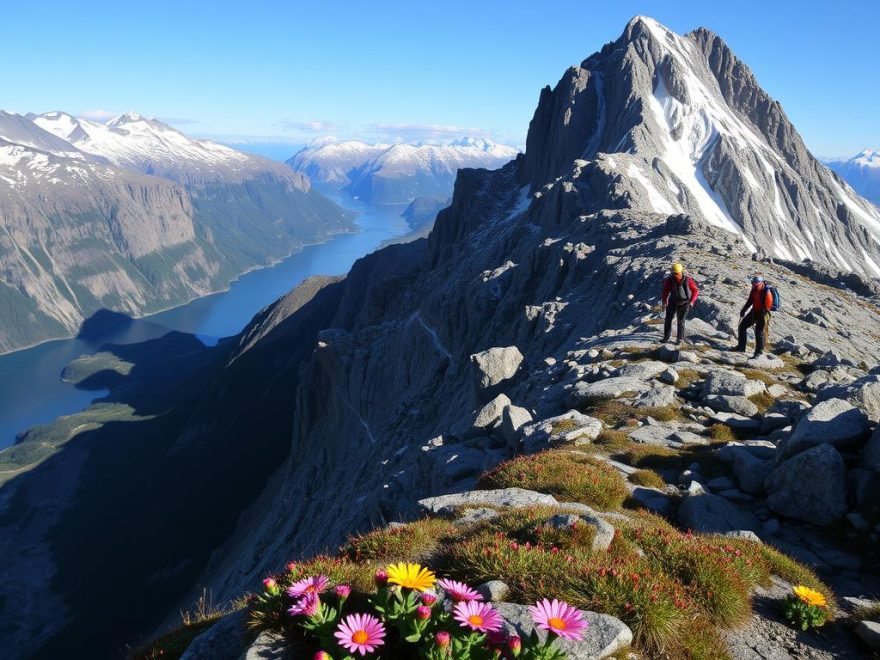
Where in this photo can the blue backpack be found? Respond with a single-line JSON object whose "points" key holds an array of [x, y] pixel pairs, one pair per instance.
{"points": [[773, 292]]}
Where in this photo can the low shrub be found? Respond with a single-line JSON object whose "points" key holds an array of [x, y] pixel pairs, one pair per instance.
{"points": [[415, 541], [569, 476], [647, 478]]}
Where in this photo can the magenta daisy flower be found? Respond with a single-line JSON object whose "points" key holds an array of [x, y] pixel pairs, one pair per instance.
{"points": [[360, 633], [458, 591], [559, 618], [307, 605], [478, 616], [309, 585]]}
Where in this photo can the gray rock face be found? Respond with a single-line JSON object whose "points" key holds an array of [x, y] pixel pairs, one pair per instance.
{"points": [[751, 472], [496, 365], [730, 383], [713, 514], [493, 591], [833, 421], [225, 640], [735, 404], [810, 487], [513, 419], [490, 415], [863, 393], [606, 634], [504, 498]]}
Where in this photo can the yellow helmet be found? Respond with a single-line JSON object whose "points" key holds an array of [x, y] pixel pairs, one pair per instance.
{"points": [[677, 268]]}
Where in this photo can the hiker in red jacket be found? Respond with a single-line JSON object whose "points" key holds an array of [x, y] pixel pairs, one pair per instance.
{"points": [[679, 295], [760, 301]]}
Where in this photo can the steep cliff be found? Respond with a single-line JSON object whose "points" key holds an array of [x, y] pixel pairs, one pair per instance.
{"points": [[134, 217]]}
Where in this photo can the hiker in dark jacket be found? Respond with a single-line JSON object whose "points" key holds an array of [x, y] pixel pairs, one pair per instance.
{"points": [[679, 295], [756, 312]]}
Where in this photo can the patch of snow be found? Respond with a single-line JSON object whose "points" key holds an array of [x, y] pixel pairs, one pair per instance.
{"points": [[849, 198], [871, 263], [658, 202]]}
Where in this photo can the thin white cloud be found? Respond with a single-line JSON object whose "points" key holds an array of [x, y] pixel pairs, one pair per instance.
{"points": [[409, 132], [316, 126], [98, 115]]}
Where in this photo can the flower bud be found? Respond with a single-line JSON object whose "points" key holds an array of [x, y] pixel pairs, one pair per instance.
{"points": [[270, 583], [342, 591], [429, 598], [441, 639], [381, 579], [292, 567], [323, 655], [423, 612], [514, 645]]}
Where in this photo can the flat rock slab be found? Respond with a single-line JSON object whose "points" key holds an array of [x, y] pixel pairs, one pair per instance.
{"points": [[605, 634], [863, 393], [570, 426], [733, 404], [713, 514], [609, 388], [731, 383], [834, 421], [502, 498], [654, 435], [225, 640]]}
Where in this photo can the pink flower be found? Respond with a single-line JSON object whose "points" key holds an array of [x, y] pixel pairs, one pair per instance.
{"points": [[478, 616], [381, 578], [429, 598], [306, 606], [441, 639], [423, 612], [309, 585], [458, 591], [342, 591], [559, 618], [360, 633]]}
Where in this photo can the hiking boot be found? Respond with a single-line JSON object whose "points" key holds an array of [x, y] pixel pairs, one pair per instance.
{"points": [[757, 354], [664, 340], [737, 349], [677, 342]]}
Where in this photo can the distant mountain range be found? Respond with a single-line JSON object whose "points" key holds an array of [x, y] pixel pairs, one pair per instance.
{"points": [[396, 173], [862, 172], [134, 216]]}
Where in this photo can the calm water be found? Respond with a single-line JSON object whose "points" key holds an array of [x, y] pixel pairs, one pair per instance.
{"points": [[31, 391]]}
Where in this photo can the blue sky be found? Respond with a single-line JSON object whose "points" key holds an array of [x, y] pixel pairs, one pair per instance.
{"points": [[289, 71]]}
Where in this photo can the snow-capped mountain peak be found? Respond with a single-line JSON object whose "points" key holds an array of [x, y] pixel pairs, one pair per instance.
{"points": [[869, 158], [396, 173], [684, 127]]}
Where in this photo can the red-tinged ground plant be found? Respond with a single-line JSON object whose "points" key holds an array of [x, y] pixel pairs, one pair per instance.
{"points": [[568, 476]]}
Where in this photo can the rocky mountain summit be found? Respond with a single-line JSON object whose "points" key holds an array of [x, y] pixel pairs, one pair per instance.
{"points": [[133, 216], [396, 173], [504, 377]]}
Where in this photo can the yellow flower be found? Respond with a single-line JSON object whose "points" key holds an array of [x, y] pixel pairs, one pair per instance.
{"points": [[411, 576], [809, 596]]}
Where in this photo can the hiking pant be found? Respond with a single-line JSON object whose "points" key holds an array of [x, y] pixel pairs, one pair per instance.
{"points": [[761, 321], [675, 310]]}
